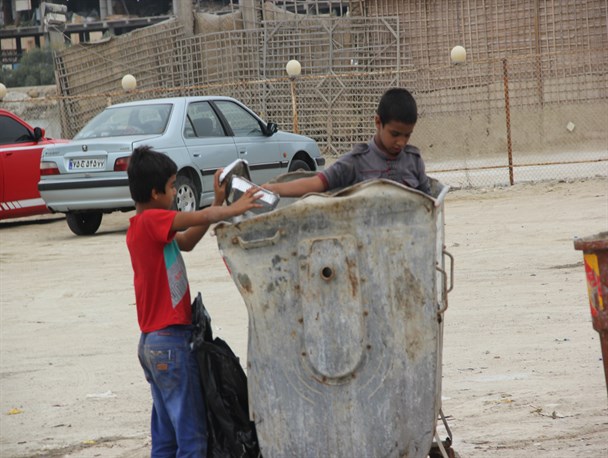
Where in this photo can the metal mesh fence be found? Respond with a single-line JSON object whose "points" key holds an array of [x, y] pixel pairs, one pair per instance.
{"points": [[529, 104]]}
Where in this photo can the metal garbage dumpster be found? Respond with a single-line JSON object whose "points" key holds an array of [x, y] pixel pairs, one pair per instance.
{"points": [[345, 295], [595, 255]]}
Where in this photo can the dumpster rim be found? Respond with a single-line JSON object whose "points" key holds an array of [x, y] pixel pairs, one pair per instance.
{"points": [[595, 242]]}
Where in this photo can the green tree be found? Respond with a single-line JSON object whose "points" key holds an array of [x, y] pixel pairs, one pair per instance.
{"points": [[35, 68]]}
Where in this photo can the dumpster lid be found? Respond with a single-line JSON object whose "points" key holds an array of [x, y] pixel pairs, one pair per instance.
{"points": [[592, 242]]}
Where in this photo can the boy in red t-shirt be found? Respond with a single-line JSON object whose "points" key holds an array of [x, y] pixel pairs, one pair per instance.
{"points": [[155, 237]]}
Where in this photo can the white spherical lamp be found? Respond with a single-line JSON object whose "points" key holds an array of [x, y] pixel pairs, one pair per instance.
{"points": [[129, 82], [293, 68], [458, 54], [2, 91]]}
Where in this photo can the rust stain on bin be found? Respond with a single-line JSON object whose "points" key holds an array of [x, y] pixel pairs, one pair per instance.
{"points": [[595, 255], [245, 282]]}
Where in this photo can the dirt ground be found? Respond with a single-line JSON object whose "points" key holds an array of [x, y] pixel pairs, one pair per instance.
{"points": [[522, 368]]}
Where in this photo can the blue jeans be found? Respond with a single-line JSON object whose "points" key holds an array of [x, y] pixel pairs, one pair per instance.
{"points": [[179, 428]]}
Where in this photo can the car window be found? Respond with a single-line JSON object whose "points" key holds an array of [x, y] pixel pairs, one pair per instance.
{"points": [[12, 131], [243, 123], [129, 120], [151, 119], [202, 121]]}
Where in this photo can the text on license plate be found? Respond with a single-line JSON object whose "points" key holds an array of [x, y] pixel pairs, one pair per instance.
{"points": [[88, 164]]}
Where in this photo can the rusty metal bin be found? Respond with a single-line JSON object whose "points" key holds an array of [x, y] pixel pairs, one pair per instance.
{"points": [[595, 255], [345, 295]]}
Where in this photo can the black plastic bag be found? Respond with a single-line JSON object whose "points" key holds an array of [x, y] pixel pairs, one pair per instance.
{"points": [[231, 434]]}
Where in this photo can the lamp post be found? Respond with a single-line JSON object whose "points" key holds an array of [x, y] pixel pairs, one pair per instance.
{"points": [[2, 91], [294, 69]]}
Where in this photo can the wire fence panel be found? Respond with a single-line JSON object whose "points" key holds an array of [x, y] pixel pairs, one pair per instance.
{"points": [[94, 68], [344, 74], [530, 102]]}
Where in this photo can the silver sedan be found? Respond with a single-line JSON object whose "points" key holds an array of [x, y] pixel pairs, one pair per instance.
{"points": [[87, 177]]}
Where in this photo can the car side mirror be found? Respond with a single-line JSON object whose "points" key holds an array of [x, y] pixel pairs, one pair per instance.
{"points": [[271, 129], [38, 133]]}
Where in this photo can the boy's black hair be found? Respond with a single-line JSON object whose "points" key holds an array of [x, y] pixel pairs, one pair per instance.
{"points": [[148, 170], [397, 104]]}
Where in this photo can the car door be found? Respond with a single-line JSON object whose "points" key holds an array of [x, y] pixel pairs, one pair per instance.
{"points": [[20, 157], [261, 152], [208, 144]]}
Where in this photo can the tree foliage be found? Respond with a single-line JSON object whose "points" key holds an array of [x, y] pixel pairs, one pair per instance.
{"points": [[35, 68]]}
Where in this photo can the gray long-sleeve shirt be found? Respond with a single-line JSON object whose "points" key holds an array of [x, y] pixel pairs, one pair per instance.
{"points": [[367, 161]]}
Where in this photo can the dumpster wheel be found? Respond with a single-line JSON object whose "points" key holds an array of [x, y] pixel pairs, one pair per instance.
{"points": [[437, 451], [443, 449]]}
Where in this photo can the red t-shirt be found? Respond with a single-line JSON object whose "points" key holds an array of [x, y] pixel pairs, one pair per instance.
{"points": [[162, 293]]}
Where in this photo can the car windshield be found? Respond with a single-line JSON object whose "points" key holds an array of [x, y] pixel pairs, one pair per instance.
{"points": [[129, 120]]}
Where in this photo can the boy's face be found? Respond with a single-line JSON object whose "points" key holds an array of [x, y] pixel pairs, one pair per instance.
{"points": [[166, 200], [392, 136]]}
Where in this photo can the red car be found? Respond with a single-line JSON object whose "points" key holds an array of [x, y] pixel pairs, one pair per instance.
{"points": [[20, 148]]}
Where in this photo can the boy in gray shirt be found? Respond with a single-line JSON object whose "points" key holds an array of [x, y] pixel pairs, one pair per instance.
{"points": [[387, 155]]}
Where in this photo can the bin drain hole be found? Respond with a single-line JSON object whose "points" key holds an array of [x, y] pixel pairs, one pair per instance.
{"points": [[327, 273]]}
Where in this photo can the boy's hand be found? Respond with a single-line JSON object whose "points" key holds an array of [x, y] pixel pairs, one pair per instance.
{"points": [[247, 201], [219, 190]]}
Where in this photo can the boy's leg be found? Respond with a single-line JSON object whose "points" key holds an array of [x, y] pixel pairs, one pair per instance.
{"points": [[163, 435], [191, 422], [174, 370], [164, 443]]}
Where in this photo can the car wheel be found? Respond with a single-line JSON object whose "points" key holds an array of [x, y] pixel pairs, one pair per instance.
{"points": [[298, 164], [84, 223], [186, 199]]}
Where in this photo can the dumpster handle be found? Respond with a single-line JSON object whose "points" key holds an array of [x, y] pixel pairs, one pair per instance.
{"points": [[449, 255], [445, 281], [247, 244]]}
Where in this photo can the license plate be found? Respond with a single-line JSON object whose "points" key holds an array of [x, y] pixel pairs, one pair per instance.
{"points": [[86, 164]]}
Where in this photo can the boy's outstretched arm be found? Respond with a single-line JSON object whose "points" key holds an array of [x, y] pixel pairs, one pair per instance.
{"points": [[197, 223], [296, 188]]}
